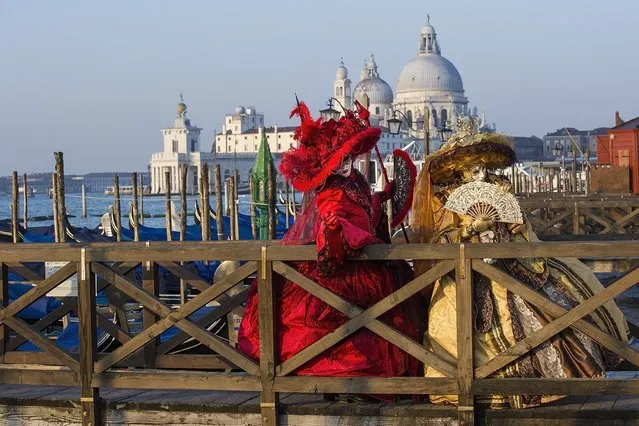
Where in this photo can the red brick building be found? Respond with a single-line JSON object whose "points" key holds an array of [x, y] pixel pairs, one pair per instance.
{"points": [[620, 147]]}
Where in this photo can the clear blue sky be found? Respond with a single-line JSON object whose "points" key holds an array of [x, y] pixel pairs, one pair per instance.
{"points": [[98, 80]]}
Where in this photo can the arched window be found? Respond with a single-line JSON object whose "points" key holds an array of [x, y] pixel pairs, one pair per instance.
{"points": [[409, 117], [434, 115], [444, 117]]}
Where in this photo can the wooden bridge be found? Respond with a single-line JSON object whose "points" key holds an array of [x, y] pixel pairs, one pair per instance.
{"points": [[226, 387]]}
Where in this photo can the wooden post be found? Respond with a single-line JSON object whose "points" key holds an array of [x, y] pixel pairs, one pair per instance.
{"points": [[136, 229], [252, 210], [513, 183], [89, 396], [272, 213], [84, 200], [117, 211], [233, 207], [286, 184], [62, 209], [575, 220], [183, 174], [14, 207], [54, 200], [227, 205], [235, 200], [268, 361], [4, 302], [25, 196], [142, 199], [218, 204], [206, 204], [294, 202], [465, 363], [586, 171], [167, 205], [150, 283]]}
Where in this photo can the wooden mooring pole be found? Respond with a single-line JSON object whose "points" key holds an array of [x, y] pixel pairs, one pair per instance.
{"points": [[54, 201], [288, 202], [62, 209], [236, 198], [233, 208], [117, 211], [142, 199], [183, 174], [136, 228], [206, 204], [218, 203], [84, 200], [167, 204], [14, 207], [25, 195]]}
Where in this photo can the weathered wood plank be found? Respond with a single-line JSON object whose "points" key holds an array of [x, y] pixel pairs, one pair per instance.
{"points": [[161, 379], [465, 359], [512, 386], [268, 334], [366, 385], [4, 302], [151, 284], [37, 375]]}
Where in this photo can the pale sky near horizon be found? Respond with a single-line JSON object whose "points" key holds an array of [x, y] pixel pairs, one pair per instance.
{"points": [[98, 80]]}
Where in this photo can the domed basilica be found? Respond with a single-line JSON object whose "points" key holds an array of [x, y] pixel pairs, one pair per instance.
{"points": [[429, 84]]}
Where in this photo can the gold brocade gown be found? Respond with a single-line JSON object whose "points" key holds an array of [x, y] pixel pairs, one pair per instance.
{"points": [[502, 318]]}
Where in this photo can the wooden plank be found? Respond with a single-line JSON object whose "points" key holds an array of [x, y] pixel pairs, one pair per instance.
{"points": [[190, 277], [90, 396], [151, 284], [42, 342], [556, 311], [378, 327], [226, 306], [161, 379], [512, 386], [621, 222], [113, 330], [29, 357], [598, 403], [366, 385], [178, 318], [192, 362], [43, 323], [465, 359], [365, 317], [25, 272], [38, 253], [561, 323], [556, 249], [304, 404], [268, 334], [4, 302], [37, 375], [38, 291]]}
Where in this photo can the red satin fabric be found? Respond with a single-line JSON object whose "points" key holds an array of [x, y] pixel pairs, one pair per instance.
{"points": [[303, 319]]}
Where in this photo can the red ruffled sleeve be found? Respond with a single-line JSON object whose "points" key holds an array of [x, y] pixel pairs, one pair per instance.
{"points": [[352, 230]]}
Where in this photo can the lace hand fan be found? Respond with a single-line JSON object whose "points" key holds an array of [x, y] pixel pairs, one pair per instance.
{"points": [[486, 201]]}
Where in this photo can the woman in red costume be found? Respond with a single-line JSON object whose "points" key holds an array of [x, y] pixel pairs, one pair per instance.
{"points": [[340, 216]]}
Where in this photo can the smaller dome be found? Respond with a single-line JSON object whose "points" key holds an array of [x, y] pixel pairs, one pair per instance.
{"points": [[240, 110], [378, 91], [342, 72]]}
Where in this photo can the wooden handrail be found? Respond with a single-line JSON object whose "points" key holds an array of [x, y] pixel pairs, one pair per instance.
{"points": [[264, 259]]}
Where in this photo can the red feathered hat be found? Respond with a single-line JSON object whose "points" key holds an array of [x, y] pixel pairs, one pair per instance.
{"points": [[323, 145]]}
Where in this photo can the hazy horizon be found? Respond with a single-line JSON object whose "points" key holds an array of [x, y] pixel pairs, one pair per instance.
{"points": [[99, 81]]}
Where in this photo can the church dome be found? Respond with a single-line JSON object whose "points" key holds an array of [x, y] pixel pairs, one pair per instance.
{"points": [[372, 85], [240, 110], [430, 71], [342, 72]]}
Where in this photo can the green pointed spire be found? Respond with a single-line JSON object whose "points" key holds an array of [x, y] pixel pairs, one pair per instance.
{"points": [[260, 183]]}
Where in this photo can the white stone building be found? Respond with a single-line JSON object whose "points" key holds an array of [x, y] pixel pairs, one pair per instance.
{"points": [[181, 146]]}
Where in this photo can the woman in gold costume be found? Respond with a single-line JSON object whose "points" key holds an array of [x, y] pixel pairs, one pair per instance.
{"points": [[502, 318]]}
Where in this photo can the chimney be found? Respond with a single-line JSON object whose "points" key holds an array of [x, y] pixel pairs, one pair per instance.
{"points": [[618, 120]]}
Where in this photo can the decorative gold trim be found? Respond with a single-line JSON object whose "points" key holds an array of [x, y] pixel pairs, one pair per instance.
{"points": [[263, 262], [87, 399], [267, 405], [462, 261], [466, 408]]}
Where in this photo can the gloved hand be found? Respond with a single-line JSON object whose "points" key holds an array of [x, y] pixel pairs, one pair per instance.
{"points": [[387, 193], [482, 224]]}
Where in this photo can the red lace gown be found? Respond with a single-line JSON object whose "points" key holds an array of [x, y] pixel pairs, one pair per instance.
{"points": [[304, 319]]}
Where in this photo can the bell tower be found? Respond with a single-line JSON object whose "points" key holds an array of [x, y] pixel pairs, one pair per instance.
{"points": [[342, 87]]}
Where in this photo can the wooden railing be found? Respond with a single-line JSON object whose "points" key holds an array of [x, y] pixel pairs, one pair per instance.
{"points": [[563, 217], [109, 266]]}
